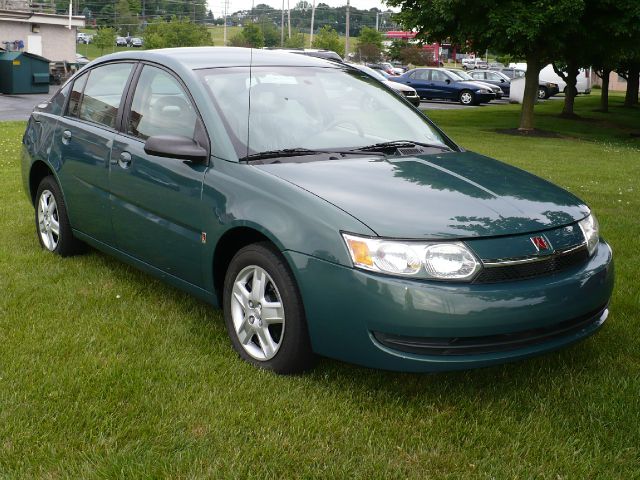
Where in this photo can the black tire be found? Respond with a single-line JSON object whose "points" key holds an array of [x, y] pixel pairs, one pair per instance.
{"points": [[467, 97], [66, 244], [294, 354], [543, 93]]}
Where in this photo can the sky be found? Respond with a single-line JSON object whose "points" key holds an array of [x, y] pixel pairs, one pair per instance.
{"points": [[217, 6]]}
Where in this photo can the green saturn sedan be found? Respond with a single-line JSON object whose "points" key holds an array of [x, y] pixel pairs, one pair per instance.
{"points": [[323, 213]]}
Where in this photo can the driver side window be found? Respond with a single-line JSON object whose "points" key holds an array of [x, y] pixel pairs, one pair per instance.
{"points": [[160, 106]]}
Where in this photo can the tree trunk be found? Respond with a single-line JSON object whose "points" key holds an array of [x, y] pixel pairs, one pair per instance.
{"points": [[530, 93], [633, 83], [570, 90], [604, 95]]}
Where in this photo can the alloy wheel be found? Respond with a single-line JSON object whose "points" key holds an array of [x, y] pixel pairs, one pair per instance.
{"points": [[466, 98], [257, 312], [48, 220]]}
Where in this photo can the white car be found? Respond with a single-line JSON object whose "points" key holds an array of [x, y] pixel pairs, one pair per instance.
{"points": [[82, 37], [583, 81], [474, 63]]}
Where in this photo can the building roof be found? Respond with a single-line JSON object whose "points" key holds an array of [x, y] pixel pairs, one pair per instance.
{"points": [[42, 18]]}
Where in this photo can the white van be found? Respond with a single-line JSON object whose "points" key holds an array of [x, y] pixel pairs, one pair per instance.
{"points": [[548, 74], [583, 84]]}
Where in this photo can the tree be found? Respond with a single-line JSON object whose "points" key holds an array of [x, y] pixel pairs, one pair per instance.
{"points": [[370, 44], [105, 38], [295, 41], [250, 36], [531, 30], [176, 33], [126, 22], [328, 39]]}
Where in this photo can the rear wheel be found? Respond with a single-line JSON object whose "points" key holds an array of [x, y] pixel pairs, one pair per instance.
{"points": [[263, 311], [467, 97], [52, 223]]}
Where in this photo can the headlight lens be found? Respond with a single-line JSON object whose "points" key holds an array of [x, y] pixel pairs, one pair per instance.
{"points": [[484, 90], [437, 261], [590, 229]]}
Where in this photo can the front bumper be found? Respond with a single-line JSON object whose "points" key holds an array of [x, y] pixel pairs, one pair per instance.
{"points": [[350, 313], [485, 97]]}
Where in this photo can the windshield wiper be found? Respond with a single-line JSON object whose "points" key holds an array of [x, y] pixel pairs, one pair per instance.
{"points": [[394, 144], [297, 152]]}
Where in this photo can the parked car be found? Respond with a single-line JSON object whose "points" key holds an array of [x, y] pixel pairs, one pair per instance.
{"points": [[545, 89], [121, 42], [496, 79], [394, 69], [85, 38], [512, 72], [329, 218], [385, 67], [403, 90], [311, 52], [441, 84], [81, 60], [474, 63], [136, 42], [466, 77]]}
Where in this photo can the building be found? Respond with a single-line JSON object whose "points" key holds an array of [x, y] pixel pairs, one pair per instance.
{"points": [[34, 28]]}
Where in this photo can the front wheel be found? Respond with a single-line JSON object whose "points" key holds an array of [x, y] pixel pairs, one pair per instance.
{"points": [[467, 97], [52, 223], [263, 311], [543, 93]]}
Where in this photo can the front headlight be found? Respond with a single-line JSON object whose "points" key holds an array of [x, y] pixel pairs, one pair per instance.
{"points": [[430, 260], [484, 90], [590, 229]]}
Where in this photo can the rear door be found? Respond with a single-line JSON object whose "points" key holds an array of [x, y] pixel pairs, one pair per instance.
{"points": [[419, 79], [82, 147], [156, 202]]}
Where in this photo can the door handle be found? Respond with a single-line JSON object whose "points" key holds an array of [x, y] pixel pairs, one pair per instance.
{"points": [[66, 137], [125, 160]]}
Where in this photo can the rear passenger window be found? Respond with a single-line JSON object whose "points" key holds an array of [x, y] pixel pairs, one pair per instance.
{"points": [[160, 106], [103, 93], [76, 95]]}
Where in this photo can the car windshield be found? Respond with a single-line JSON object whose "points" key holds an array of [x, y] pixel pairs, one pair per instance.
{"points": [[315, 108], [461, 75]]}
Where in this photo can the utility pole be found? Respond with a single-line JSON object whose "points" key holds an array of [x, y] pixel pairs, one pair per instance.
{"points": [[313, 15], [377, 13], [346, 41], [224, 42], [282, 26], [289, 17]]}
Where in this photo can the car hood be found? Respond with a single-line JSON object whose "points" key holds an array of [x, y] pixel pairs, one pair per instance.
{"points": [[454, 194], [475, 84], [400, 87]]}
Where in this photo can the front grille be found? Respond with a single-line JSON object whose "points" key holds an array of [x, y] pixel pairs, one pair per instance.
{"points": [[521, 271], [490, 343]]}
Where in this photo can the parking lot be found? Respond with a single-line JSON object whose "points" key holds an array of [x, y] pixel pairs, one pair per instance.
{"points": [[18, 107]]}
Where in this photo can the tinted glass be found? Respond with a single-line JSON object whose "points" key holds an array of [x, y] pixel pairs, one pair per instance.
{"points": [[76, 95], [438, 76], [103, 93], [160, 106], [57, 102], [420, 75], [275, 108]]}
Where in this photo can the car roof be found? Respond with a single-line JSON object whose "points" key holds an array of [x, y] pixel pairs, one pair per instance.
{"points": [[195, 58]]}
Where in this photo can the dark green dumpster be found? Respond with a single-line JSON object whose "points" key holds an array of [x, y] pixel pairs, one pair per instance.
{"points": [[22, 72]]}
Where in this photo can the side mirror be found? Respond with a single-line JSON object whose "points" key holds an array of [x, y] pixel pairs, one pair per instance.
{"points": [[175, 146], [448, 80], [502, 80]]}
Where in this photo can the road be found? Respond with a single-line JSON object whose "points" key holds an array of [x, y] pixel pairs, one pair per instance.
{"points": [[19, 107]]}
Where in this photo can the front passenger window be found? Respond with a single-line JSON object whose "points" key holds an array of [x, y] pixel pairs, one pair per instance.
{"points": [[160, 107]]}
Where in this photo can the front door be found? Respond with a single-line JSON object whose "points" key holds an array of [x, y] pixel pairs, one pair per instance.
{"points": [[156, 202]]}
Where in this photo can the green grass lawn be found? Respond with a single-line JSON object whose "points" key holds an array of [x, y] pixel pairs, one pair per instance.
{"points": [[106, 372]]}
